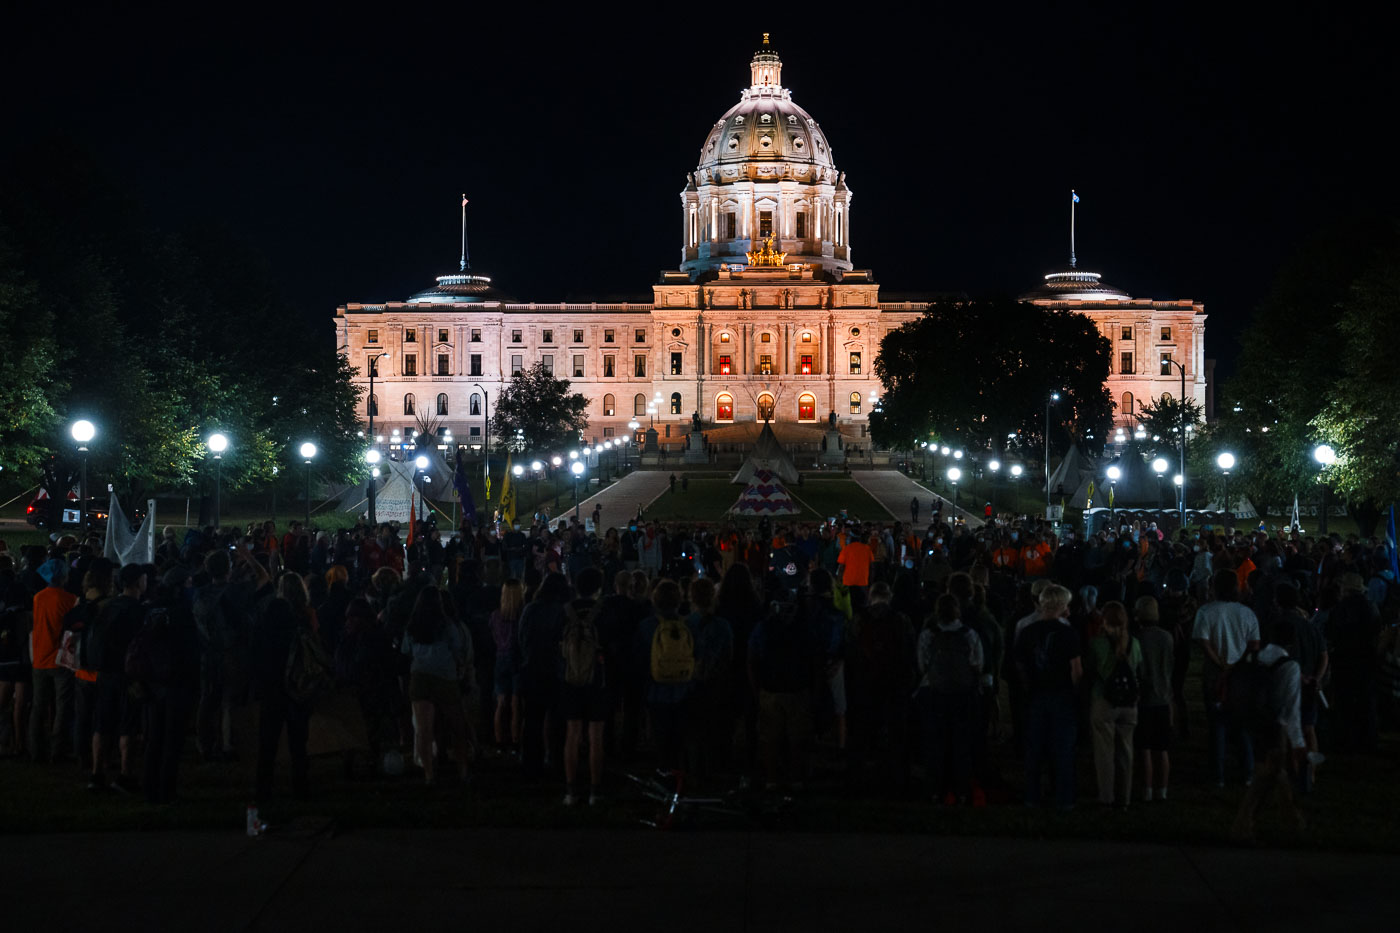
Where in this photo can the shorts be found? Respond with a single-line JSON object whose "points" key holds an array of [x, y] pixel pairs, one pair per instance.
{"points": [[837, 683], [1154, 729], [585, 704], [14, 672], [429, 688], [505, 678], [117, 713]]}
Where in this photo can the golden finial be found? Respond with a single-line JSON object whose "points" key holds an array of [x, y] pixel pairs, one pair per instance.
{"points": [[765, 38]]}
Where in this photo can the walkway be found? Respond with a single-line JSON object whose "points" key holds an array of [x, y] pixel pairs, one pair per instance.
{"points": [[621, 499], [611, 880], [893, 490]]}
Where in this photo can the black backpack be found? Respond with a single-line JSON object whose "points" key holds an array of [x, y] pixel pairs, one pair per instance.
{"points": [[950, 665], [149, 658], [1249, 693], [1120, 687]]}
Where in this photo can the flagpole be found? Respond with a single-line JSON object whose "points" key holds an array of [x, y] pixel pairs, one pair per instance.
{"points": [[1072, 199], [463, 267]]}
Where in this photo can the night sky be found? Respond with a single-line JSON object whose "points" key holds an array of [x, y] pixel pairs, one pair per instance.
{"points": [[1205, 150]]}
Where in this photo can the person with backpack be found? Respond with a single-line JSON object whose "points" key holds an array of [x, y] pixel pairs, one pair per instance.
{"points": [[173, 689], [1225, 630], [785, 668], [438, 649], [950, 662], [1048, 663], [584, 694], [1153, 736], [666, 646], [118, 715], [283, 622], [1115, 664], [713, 700], [1263, 700]]}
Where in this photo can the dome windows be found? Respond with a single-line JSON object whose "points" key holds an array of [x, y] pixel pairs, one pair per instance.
{"points": [[739, 120], [792, 119], [797, 143], [766, 118], [733, 143], [766, 142]]}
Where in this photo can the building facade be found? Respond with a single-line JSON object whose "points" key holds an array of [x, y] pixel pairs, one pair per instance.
{"points": [[766, 319]]}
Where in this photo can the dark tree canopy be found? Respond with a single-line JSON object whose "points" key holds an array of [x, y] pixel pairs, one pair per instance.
{"points": [[537, 412], [979, 373]]}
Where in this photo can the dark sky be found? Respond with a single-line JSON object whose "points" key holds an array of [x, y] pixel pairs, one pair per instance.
{"points": [[1205, 149]]}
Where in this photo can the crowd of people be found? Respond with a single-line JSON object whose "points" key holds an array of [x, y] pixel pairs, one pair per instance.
{"points": [[927, 658]]}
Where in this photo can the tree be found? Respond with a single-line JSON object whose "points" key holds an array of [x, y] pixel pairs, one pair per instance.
{"points": [[980, 373], [537, 412]]}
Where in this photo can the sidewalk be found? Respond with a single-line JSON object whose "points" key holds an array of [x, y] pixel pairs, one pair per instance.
{"points": [[619, 880], [893, 490], [621, 499]]}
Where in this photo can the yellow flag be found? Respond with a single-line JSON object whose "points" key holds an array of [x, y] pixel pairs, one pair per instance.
{"points": [[507, 497], [487, 500], [1089, 496]]}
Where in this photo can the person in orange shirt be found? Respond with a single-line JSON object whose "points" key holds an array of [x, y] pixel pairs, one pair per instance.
{"points": [[53, 685], [854, 562], [1033, 557], [1007, 557]]}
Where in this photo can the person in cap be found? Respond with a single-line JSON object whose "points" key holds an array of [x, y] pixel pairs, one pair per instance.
{"points": [[52, 708]]}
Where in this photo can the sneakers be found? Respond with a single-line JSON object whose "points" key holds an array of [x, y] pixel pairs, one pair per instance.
{"points": [[97, 784], [594, 798], [571, 799]]}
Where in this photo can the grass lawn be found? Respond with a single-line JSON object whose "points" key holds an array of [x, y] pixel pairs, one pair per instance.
{"points": [[710, 497]]}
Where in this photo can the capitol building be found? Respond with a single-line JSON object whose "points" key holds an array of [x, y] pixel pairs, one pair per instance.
{"points": [[766, 318]]}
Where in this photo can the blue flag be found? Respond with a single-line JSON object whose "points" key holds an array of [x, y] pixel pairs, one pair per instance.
{"points": [[1073, 195], [1390, 549], [464, 492]]}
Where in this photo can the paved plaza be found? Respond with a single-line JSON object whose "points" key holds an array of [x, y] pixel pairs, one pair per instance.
{"points": [[894, 489]]}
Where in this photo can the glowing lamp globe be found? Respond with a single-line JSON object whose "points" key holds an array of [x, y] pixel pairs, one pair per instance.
{"points": [[1159, 465], [577, 467], [1114, 473], [1226, 461], [308, 450], [83, 431], [420, 462], [954, 474], [217, 443], [1325, 455]]}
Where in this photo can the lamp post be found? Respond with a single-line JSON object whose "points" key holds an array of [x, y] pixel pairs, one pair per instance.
{"points": [[1179, 481], [634, 426], [995, 467], [1054, 397], [372, 458], [217, 444], [1226, 462], [373, 402], [308, 453], [1325, 456], [577, 469], [954, 474], [485, 434], [83, 432], [1181, 402], [1159, 466], [1113, 473], [536, 468]]}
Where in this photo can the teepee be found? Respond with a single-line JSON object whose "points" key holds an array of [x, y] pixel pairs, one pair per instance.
{"points": [[764, 495], [767, 455]]}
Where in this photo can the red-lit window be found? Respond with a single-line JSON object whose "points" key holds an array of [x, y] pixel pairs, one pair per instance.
{"points": [[724, 365], [806, 408], [724, 408], [806, 364]]}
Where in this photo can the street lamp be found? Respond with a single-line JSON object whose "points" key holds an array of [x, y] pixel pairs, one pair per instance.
{"points": [[308, 453], [1054, 397], [373, 404], [372, 458], [485, 434], [1325, 456], [217, 444], [1179, 481], [1159, 466], [536, 467], [577, 469], [1226, 462], [1114, 474], [995, 467], [83, 432], [954, 474], [1181, 401]]}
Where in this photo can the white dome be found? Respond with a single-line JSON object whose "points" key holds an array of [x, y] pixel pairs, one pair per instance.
{"points": [[766, 127]]}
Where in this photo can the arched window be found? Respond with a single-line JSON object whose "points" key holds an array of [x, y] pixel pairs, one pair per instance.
{"points": [[675, 403], [1127, 407], [442, 404], [373, 405], [1166, 398], [724, 407], [609, 405], [410, 405], [475, 404], [639, 405], [855, 403], [807, 407], [765, 407]]}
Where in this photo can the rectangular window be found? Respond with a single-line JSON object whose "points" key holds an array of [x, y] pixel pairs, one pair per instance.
{"points": [[1166, 364], [1166, 333], [765, 224], [410, 335], [443, 369], [641, 335], [475, 431], [855, 364], [517, 363], [578, 365], [1125, 364], [548, 336], [372, 337], [410, 364], [476, 364], [1127, 332], [476, 335], [608, 335], [801, 226], [724, 365], [548, 361], [517, 337], [765, 338], [675, 364], [442, 335], [806, 364], [607, 432], [731, 226], [639, 365], [765, 364], [608, 369], [578, 336]]}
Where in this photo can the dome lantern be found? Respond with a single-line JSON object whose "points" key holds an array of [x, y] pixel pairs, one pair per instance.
{"points": [[767, 68]]}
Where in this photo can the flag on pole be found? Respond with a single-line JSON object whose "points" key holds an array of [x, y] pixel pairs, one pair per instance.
{"points": [[1390, 548], [1089, 496], [507, 497], [1071, 194], [1296, 522], [464, 492], [486, 476], [464, 200]]}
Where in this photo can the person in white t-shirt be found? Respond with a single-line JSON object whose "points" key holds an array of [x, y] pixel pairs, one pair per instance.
{"points": [[1282, 745], [1225, 630]]}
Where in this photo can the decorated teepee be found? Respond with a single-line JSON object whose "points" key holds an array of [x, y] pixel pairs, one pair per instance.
{"points": [[765, 495], [768, 455]]}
